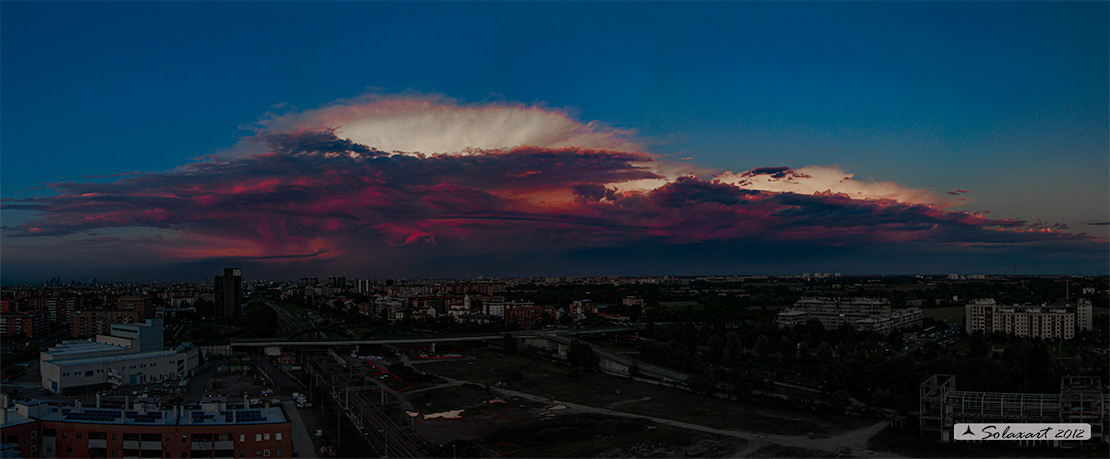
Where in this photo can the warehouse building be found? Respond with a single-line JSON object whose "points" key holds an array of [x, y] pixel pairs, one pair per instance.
{"points": [[131, 354]]}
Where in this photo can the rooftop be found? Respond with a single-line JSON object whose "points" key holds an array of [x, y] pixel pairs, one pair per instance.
{"points": [[74, 348], [116, 357], [195, 416]]}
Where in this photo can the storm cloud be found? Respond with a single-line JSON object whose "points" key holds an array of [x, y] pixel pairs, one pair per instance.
{"points": [[426, 178]]}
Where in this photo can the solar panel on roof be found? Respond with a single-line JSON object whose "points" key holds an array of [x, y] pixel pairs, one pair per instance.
{"points": [[92, 415], [149, 417]]}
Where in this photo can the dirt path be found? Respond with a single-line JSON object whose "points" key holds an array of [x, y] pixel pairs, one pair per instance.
{"points": [[856, 440]]}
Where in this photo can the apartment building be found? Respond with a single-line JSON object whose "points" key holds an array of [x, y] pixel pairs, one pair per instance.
{"points": [[864, 314], [212, 429], [99, 321], [1055, 321]]}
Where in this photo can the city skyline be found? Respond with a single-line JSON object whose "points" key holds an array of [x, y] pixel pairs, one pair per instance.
{"points": [[642, 139]]}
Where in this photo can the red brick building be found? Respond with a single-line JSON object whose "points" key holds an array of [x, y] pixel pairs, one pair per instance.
{"points": [[98, 321], [30, 324], [212, 430], [530, 316]]}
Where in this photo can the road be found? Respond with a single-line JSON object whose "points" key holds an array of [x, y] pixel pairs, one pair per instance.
{"points": [[302, 441], [279, 377]]}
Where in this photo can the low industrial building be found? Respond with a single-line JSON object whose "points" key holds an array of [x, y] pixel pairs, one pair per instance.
{"points": [[131, 354]]}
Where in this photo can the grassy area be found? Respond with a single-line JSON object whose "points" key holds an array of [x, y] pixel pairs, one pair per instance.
{"points": [[948, 314], [535, 376], [587, 435], [789, 451], [905, 441]]}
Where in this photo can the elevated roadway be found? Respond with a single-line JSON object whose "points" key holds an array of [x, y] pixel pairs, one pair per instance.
{"points": [[427, 340]]}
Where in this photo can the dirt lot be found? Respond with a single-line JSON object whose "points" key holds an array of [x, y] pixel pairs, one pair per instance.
{"points": [[535, 376]]}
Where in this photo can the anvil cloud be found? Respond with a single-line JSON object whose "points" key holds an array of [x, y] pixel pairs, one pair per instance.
{"points": [[387, 177]]}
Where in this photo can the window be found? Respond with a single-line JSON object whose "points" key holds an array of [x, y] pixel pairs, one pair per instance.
{"points": [[278, 452], [257, 453], [78, 435], [69, 450], [113, 437], [184, 439], [50, 449], [242, 453], [267, 453], [266, 436], [277, 437], [257, 437], [64, 434], [242, 438]]}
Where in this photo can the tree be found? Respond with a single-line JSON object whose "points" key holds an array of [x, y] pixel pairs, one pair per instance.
{"points": [[509, 343], [581, 355], [634, 369], [762, 346], [716, 347], [787, 348], [825, 352], [733, 344], [804, 352]]}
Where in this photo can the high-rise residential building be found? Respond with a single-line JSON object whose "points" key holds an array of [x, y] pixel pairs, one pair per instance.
{"points": [[364, 286], [229, 292], [1029, 321]]}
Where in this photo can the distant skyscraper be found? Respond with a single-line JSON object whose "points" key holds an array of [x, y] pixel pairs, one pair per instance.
{"points": [[229, 292]]}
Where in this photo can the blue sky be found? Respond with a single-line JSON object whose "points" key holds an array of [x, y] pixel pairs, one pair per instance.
{"points": [[1008, 100]]}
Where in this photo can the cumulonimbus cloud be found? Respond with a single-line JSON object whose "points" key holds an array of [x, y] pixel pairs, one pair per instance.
{"points": [[414, 171]]}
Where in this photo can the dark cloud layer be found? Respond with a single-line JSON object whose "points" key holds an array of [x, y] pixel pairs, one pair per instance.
{"points": [[314, 196]]}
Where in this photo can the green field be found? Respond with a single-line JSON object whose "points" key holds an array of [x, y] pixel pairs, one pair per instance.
{"points": [[948, 314]]}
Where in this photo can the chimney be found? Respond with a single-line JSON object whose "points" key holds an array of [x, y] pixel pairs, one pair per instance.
{"points": [[98, 400]]}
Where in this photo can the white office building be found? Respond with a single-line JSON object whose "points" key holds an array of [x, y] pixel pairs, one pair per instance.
{"points": [[130, 354]]}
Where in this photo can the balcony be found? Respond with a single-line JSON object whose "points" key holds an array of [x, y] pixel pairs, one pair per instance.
{"points": [[98, 444], [130, 444], [225, 444], [201, 446]]}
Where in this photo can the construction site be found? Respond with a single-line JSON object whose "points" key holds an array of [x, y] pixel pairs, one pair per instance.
{"points": [[1082, 399]]}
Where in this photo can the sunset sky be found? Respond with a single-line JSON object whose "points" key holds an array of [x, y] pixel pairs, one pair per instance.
{"points": [[162, 141]]}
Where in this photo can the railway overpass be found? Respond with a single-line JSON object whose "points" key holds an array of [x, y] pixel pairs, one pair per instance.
{"points": [[248, 343]]}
